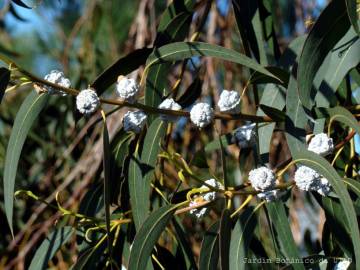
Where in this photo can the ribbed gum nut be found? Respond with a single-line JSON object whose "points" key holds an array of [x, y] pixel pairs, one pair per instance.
{"points": [[245, 136], [229, 101], [127, 89], [321, 144], [87, 101], [201, 114], [134, 121], [169, 104], [56, 77], [262, 179], [210, 196], [305, 178]]}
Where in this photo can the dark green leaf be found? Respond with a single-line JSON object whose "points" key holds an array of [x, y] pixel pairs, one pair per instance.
{"points": [[4, 81], [274, 113], [50, 246], [26, 116], [176, 30], [191, 94], [148, 235], [323, 167], [107, 183], [21, 4], [184, 243], [240, 239], [280, 220], [224, 239], [122, 66], [330, 27], [339, 114], [184, 50], [209, 254], [352, 7]]}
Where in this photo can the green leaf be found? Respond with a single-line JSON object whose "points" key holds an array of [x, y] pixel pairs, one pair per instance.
{"points": [[107, 183], [4, 81], [122, 66], [336, 222], [184, 243], [209, 254], [274, 113], [155, 88], [352, 7], [175, 7], [28, 112], [224, 238], [184, 50], [248, 21], [323, 167], [280, 220], [191, 94], [339, 114], [148, 235], [274, 96], [259, 78], [50, 246], [138, 191], [330, 27], [241, 237], [141, 171], [21, 4]]}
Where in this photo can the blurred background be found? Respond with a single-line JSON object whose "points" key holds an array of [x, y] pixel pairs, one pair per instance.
{"points": [[83, 37]]}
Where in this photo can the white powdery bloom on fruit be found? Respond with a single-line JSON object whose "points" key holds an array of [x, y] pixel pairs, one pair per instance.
{"points": [[229, 101], [134, 121], [87, 101], [127, 89], [201, 114], [245, 136], [306, 178], [198, 212], [321, 144], [269, 196], [57, 77], [309, 180], [262, 178], [169, 104], [210, 196], [342, 265]]}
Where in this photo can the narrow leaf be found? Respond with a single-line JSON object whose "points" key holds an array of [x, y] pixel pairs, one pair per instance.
{"points": [[25, 117], [49, 247], [284, 235], [330, 27], [209, 254], [224, 239], [352, 7], [148, 235], [122, 66], [107, 183], [240, 239], [21, 4], [184, 50]]}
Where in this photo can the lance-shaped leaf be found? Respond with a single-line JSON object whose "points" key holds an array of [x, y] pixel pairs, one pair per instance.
{"points": [[156, 84], [148, 236], [29, 111], [224, 238], [352, 8], [20, 3], [209, 254], [122, 66], [107, 183], [240, 239], [4, 80], [50, 246], [141, 171], [339, 114], [331, 26], [323, 167], [184, 50], [280, 220]]}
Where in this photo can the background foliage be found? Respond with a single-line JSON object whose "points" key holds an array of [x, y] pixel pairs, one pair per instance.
{"points": [[303, 74]]}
